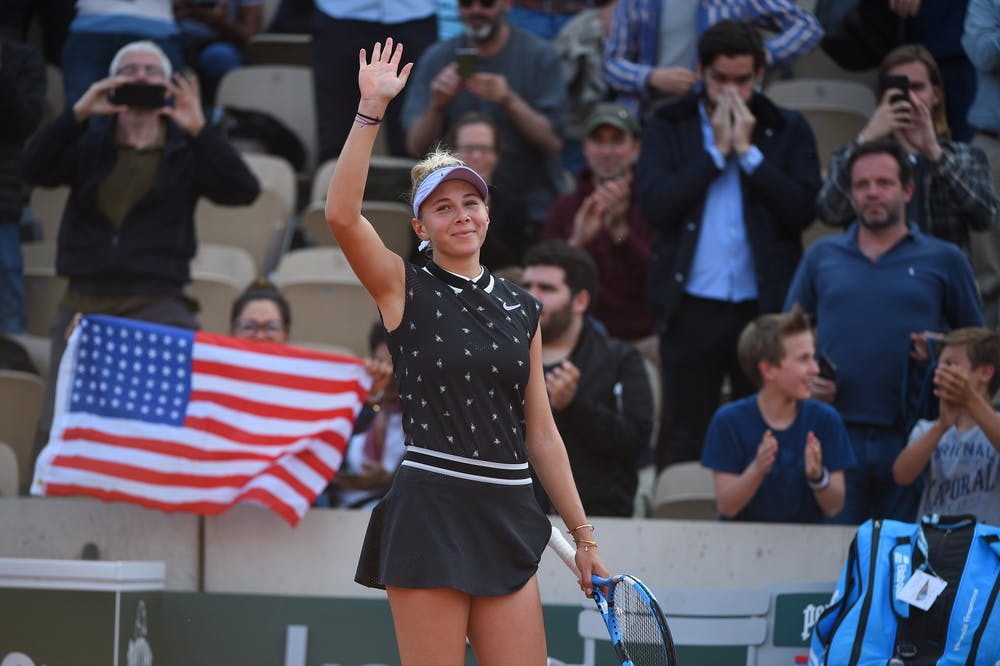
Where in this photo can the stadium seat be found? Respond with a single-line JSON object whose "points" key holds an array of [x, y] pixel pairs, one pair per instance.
{"points": [[38, 348], [8, 472], [47, 204], [312, 263], [274, 48], [329, 305], [219, 274], [284, 91], [43, 289], [275, 174], [259, 227], [321, 181], [20, 407], [837, 110], [699, 620], [390, 219], [388, 179], [685, 491]]}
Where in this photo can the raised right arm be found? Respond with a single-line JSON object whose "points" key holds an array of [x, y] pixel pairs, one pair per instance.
{"points": [[378, 268]]}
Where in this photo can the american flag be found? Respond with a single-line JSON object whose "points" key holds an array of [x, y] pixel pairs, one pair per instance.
{"points": [[179, 420]]}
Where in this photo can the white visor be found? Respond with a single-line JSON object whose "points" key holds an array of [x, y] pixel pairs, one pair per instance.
{"points": [[448, 173]]}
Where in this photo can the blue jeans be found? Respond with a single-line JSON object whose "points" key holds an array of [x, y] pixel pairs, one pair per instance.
{"points": [[870, 491], [213, 62], [12, 315], [87, 55]]}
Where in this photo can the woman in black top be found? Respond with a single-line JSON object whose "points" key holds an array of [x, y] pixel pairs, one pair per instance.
{"points": [[457, 540]]}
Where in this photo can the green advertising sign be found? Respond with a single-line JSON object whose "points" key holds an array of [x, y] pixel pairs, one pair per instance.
{"points": [[76, 628], [795, 616]]}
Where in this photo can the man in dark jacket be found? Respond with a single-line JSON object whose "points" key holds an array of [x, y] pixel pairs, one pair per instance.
{"points": [[729, 179], [22, 91], [598, 387], [135, 172]]}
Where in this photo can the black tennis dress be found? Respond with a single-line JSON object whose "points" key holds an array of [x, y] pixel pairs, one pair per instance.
{"points": [[461, 512]]}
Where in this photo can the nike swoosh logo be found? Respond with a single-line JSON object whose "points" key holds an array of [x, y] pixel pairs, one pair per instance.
{"points": [[511, 307]]}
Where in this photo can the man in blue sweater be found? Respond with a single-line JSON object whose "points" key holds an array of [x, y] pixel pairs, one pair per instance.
{"points": [[876, 291]]}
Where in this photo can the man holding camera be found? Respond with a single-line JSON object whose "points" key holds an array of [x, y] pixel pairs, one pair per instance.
{"points": [[877, 293], [137, 154], [504, 72]]}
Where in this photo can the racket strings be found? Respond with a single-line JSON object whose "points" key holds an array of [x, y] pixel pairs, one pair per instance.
{"points": [[641, 631]]}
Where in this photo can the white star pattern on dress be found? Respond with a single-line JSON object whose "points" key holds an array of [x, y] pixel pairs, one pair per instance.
{"points": [[482, 369]]}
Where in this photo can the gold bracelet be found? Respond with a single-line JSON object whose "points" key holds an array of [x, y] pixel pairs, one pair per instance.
{"points": [[570, 532], [587, 544]]}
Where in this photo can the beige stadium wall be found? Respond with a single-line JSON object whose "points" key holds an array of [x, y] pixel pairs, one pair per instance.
{"points": [[249, 550]]}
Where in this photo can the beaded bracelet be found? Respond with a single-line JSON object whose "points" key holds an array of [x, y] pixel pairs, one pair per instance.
{"points": [[587, 544]]}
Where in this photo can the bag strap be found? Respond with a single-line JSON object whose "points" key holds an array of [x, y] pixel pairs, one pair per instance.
{"points": [[926, 388]]}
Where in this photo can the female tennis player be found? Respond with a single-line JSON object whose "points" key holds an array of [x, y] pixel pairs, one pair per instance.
{"points": [[457, 540]]}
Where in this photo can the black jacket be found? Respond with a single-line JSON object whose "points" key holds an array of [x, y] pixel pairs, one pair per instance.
{"points": [[151, 251], [22, 96], [606, 433], [675, 171]]}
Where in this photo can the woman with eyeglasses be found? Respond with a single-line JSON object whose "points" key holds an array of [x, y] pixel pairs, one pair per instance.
{"points": [[261, 313], [457, 540]]}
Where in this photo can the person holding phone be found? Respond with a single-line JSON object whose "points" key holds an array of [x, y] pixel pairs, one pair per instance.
{"points": [[457, 540], [508, 74], [136, 154], [953, 192]]}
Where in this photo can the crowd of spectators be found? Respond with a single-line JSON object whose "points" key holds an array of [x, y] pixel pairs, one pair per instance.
{"points": [[637, 138]]}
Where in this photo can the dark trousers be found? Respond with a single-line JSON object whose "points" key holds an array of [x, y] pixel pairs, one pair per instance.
{"points": [[698, 350], [336, 43], [870, 490]]}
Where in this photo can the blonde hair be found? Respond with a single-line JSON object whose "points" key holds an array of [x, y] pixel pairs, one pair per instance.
{"points": [[439, 158]]}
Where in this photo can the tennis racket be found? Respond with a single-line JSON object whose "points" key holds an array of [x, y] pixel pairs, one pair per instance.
{"points": [[639, 632]]}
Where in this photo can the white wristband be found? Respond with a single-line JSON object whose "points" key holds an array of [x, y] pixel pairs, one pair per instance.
{"points": [[823, 482]]}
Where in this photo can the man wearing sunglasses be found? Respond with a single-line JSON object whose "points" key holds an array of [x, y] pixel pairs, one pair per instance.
{"points": [[729, 179], [506, 73]]}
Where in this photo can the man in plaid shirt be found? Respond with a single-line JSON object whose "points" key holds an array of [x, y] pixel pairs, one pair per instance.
{"points": [[953, 192], [650, 54]]}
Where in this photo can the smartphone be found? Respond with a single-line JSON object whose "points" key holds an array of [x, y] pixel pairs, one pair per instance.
{"points": [[827, 368], [468, 62], [140, 95], [897, 82]]}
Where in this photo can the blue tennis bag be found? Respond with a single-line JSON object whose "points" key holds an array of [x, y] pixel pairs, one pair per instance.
{"points": [[866, 624]]}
